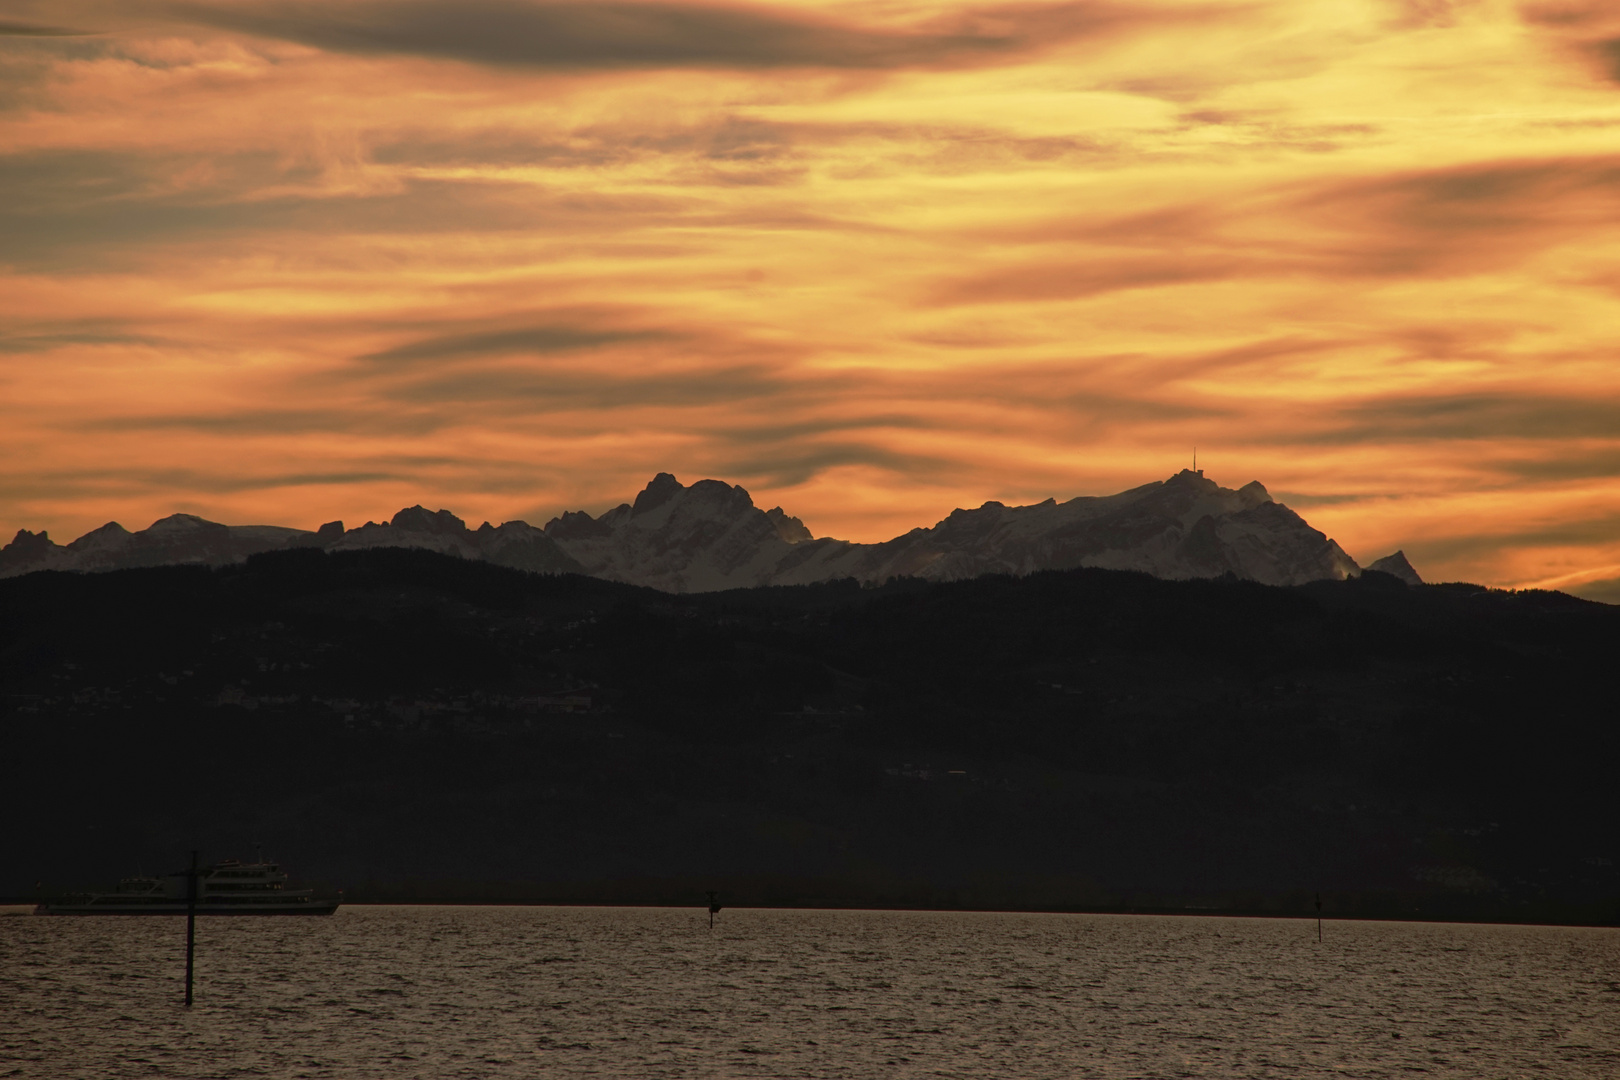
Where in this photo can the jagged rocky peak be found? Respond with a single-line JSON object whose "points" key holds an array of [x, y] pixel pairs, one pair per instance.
{"points": [[656, 505], [330, 531], [787, 527], [508, 530], [681, 538], [665, 501], [963, 522], [659, 491], [1254, 493], [1397, 565], [516, 544], [721, 495], [29, 543], [27, 551], [577, 525], [420, 519], [710, 499]]}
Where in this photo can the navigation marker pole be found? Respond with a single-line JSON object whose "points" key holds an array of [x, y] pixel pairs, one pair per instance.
{"points": [[1319, 918], [714, 907], [191, 921]]}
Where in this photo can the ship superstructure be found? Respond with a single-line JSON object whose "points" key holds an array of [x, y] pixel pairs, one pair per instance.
{"points": [[223, 888]]}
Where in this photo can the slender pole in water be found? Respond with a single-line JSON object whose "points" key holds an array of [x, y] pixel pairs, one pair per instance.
{"points": [[714, 906], [191, 922], [1319, 918]]}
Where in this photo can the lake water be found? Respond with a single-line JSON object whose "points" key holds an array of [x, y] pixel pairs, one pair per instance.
{"points": [[617, 992]]}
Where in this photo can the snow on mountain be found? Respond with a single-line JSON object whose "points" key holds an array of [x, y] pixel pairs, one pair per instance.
{"points": [[516, 544], [1184, 527], [184, 538], [175, 540], [683, 539], [711, 536], [1397, 565]]}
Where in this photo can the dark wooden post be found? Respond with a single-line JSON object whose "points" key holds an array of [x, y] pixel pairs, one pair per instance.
{"points": [[1319, 918], [191, 922]]}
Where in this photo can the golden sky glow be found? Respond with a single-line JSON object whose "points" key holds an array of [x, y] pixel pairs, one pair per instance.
{"points": [[283, 262]]}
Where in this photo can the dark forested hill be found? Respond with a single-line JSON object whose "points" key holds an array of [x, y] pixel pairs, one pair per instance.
{"points": [[404, 724]]}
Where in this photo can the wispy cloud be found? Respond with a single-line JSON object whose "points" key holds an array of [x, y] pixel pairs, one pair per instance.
{"points": [[273, 422], [1471, 416], [10, 28], [529, 340], [609, 35]]}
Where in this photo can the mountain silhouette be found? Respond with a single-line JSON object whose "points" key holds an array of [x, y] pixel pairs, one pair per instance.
{"points": [[1397, 565], [710, 536]]}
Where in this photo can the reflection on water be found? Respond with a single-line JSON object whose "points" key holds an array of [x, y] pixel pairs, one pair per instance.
{"points": [[497, 992]]}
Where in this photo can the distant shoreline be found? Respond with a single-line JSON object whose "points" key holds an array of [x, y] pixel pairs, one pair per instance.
{"points": [[21, 907]]}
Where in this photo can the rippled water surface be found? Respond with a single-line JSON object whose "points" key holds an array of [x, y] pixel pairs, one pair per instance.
{"points": [[508, 992]]}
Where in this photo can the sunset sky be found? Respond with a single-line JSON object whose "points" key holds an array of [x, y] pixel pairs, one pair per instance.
{"points": [[285, 262]]}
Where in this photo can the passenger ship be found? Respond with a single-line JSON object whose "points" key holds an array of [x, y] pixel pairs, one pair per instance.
{"points": [[224, 888]]}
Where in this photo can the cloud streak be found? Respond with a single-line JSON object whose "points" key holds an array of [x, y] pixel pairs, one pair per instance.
{"points": [[604, 35], [531, 340], [9, 28]]}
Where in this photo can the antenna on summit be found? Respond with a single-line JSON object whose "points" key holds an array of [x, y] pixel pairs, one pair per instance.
{"points": [[1195, 459]]}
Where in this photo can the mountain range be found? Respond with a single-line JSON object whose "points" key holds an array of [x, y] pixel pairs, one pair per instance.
{"points": [[710, 536]]}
